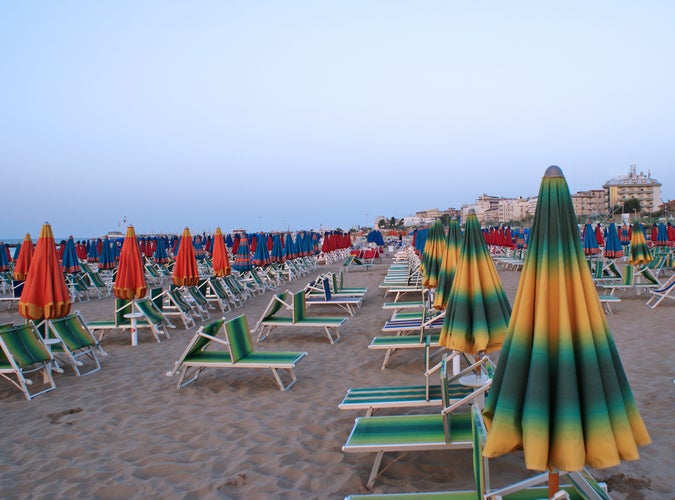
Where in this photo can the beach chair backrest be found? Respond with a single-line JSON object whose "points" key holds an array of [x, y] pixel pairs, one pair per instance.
{"points": [[276, 304], [326, 289], [202, 340], [299, 306], [239, 338], [480, 464], [197, 295], [73, 332], [23, 346], [152, 313], [122, 307], [445, 396], [628, 275], [179, 300]]}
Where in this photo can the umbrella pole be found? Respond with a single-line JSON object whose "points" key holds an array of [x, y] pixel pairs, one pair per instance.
{"points": [[553, 483]]}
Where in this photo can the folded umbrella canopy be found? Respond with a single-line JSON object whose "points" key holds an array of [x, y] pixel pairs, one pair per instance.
{"points": [[130, 283], [69, 261], [45, 294], [559, 391], [219, 257], [92, 252], [185, 272], [591, 246], [22, 263], [107, 258], [613, 248], [453, 243], [432, 255], [478, 310], [4, 257], [639, 250], [160, 256], [242, 259]]}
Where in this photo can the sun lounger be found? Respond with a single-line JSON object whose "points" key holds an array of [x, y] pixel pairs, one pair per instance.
{"points": [[236, 351], [150, 317], [15, 287], [346, 303], [200, 303], [271, 319], [173, 304], [22, 354], [664, 292], [638, 280], [392, 397], [75, 343], [446, 430]]}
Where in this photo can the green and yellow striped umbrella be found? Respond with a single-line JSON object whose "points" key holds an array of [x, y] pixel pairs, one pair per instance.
{"points": [[453, 243], [478, 310], [432, 255], [639, 251], [560, 391]]}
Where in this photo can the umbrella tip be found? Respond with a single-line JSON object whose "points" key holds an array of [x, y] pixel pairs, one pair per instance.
{"points": [[553, 171]]}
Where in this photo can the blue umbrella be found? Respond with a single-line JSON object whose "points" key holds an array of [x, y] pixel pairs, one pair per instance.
{"points": [[261, 257], [375, 236], [289, 247], [277, 254], [17, 249], [69, 261], [613, 248], [242, 259], [106, 259], [92, 251], [160, 255], [590, 243], [4, 260]]}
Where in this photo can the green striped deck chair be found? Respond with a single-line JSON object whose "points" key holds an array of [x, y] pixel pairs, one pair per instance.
{"points": [[216, 293], [200, 303], [75, 343], [339, 285], [344, 302], [153, 318], [23, 353], [174, 305], [372, 399], [329, 324], [446, 430], [239, 354], [638, 280], [270, 318], [119, 322]]}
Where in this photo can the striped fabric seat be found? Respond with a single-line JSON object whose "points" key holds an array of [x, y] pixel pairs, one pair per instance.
{"points": [[76, 343], [236, 351]]}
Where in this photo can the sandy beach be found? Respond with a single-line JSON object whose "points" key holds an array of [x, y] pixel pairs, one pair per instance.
{"points": [[127, 432]]}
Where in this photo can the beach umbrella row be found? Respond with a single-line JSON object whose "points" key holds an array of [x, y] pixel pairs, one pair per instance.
{"points": [[24, 259]]}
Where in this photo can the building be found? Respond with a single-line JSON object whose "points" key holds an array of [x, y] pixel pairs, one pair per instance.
{"points": [[642, 187], [592, 203]]}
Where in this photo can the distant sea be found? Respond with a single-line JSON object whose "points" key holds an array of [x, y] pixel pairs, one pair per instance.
{"points": [[14, 241]]}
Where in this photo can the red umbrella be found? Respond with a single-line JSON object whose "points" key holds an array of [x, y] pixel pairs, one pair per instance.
{"points": [[45, 294], [22, 264], [185, 269], [220, 260], [130, 281]]}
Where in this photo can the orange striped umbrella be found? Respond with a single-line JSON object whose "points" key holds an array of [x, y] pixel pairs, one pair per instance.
{"points": [[22, 264], [185, 269], [130, 281], [219, 258], [45, 294]]}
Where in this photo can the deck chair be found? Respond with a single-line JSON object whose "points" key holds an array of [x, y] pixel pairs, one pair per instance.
{"points": [[200, 303], [664, 292], [15, 287], [270, 317], [339, 288], [95, 280], [216, 293], [372, 399], [638, 280], [236, 351], [481, 473], [22, 354], [446, 430], [154, 320], [174, 305], [346, 303], [329, 324], [76, 345]]}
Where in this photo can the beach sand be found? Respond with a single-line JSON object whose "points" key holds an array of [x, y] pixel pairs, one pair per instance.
{"points": [[127, 432]]}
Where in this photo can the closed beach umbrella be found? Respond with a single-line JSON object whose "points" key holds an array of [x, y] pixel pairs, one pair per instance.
{"points": [[219, 257], [434, 248], [185, 271], [242, 259], [92, 252], [639, 250], [453, 243], [277, 253], [45, 294], [559, 391], [613, 248], [591, 246], [289, 247], [130, 282], [661, 238], [160, 256], [261, 257], [4, 257], [106, 260], [478, 310], [22, 263], [69, 261]]}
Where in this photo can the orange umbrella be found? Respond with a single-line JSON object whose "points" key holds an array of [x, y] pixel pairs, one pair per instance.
{"points": [[220, 260], [185, 269], [45, 294], [24, 259], [130, 281]]}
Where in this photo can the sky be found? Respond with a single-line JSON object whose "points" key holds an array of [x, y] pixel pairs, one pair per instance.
{"points": [[267, 115]]}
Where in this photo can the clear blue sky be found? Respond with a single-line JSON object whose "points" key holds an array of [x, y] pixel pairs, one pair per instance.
{"points": [[269, 115]]}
